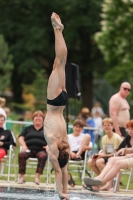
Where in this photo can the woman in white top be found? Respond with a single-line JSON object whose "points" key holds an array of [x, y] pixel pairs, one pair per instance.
{"points": [[2, 111]]}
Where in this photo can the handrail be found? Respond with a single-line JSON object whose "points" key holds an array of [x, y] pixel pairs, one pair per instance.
{"points": [[85, 127], [24, 122], [18, 122]]}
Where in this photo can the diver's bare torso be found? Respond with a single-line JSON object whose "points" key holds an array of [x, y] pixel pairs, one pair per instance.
{"points": [[55, 126]]}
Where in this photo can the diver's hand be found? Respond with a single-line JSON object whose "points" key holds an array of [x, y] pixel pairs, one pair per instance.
{"points": [[64, 196]]}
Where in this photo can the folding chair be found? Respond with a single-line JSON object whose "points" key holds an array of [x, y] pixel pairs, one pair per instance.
{"points": [[73, 166], [126, 171], [130, 174], [7, 161], [81, 164]]}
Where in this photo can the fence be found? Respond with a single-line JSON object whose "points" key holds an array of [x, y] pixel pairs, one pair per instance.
{"points": [[19, 125]]}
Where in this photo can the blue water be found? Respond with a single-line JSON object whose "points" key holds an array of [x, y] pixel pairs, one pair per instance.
{"points": [[11, 193]]}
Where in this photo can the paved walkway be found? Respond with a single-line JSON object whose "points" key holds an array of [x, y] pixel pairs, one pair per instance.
{"points": [[76, 189]]}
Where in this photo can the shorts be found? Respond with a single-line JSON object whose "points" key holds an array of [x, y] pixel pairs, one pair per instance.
{"points": [[123, 131], [82, 155], [2, 153], [106, 159], [129, 162]]}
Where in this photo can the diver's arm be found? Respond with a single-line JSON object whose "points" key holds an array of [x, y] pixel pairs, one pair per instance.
{"points": [[64, 179], [53, 155]]}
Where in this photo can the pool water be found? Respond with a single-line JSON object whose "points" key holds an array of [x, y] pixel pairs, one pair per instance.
{"points": [[12, 193]]}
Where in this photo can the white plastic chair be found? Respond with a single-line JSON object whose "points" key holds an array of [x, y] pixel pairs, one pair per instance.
{"points": [[73, 166], [81, 164], [7, 161], [126, 171], [130, 174]]}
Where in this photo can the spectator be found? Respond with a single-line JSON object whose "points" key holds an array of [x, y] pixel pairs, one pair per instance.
{"points": [[98, 133], [126, 143], [79, 143], [97, 108], [21, 125], [110, 143], [121, 161], [2, 111], [27, 117], [33, 145], [119, 109], [9, 124], [88, 123], [6, 139]]}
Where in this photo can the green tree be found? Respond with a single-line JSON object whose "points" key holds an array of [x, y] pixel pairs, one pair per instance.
{"points": [[38, 89], [116, 42], [27, 29], [6, 65], [115, 39], [82, 21]]}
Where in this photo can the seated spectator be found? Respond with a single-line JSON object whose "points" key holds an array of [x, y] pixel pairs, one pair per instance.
{"points": [[98, 133], [97, 107], [128, 140], [79, 143], [126, 143], [6, 138], [33, 145], [2, 111], [27, 117], [21, 125], [112, 168], [88, 122], [110, 143], [8, 111]]}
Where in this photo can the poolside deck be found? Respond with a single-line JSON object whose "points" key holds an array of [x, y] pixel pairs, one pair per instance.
{"points": [[76, 189]]}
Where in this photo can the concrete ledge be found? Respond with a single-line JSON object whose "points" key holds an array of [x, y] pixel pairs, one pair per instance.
{"points": [[76, 189]]}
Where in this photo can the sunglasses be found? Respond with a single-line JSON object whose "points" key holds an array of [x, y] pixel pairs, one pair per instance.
{"points": [[127, 89]]}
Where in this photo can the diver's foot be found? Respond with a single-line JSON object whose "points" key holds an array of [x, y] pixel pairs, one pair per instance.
{"points": [[56, 22]]}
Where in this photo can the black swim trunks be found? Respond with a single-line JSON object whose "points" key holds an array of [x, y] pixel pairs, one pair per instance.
{"points": [[60, 100], [106, 159]]}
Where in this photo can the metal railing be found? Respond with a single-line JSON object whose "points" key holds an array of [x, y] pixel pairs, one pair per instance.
{"points": [[21, 125]]}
